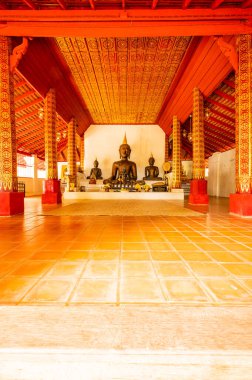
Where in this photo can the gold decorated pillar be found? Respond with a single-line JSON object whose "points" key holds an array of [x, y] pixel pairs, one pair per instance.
{"points": [[198, 186], [71, 154], [176, 154], [11, 201], [52, 184], [82, 153], [241, 201]]}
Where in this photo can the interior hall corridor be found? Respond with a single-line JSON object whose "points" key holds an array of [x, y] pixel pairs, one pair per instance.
{"points": [[125, 297]]}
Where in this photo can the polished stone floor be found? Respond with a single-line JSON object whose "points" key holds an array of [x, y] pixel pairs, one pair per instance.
{"points": [[74, 260]]}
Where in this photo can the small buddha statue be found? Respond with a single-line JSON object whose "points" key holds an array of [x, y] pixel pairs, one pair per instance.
{"points": [[151, 171], [123, 170], [95, 172]]}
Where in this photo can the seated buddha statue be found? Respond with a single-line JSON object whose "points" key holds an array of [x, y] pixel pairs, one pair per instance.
{"points": [[95, 172], [123, 170], [151, 171]]}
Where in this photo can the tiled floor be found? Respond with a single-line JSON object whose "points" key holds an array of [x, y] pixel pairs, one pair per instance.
{"points": [[72, 260]]}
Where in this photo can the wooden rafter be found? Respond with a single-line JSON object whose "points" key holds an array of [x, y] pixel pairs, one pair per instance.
{"points": [[92, 4], [223, 106], [20, 83], [247, 3], [220, 122], [30, 4], [123, 4], [186, 4], [62, 4], [221, 136], [154, 4], [22, 108], [230, 83], [217, 3], [23, 96], [30, 114], [222, 115], [224, 95]]}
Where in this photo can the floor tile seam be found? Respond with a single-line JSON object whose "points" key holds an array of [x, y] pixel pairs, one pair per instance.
{"points": [[75, 286], [29, 290], [161, 290], [200, 282], [243, 285]]}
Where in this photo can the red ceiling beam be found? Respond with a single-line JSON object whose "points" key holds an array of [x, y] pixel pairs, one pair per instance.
{"points": [[220, 136], [186, 4], [230, 132], [20, 84], [92, 4], [23, 96], [217, 3], [225, 96], [154, 4], [62, 4], [25, 106], [221, 133], [30, 114], [30, 4], [224, 116], [123, 4], [230, 83], [223, 106], [220, 122], [246, 3]]}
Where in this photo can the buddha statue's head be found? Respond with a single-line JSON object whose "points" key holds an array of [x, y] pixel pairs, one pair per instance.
{"points": [[151, 160], [96, 163], [124, 149]]}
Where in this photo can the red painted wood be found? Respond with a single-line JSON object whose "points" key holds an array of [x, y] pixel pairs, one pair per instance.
{"points": [[11, 203], [241, 204]]}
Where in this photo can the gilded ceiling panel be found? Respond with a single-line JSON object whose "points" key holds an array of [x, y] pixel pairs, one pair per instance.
{"points": [[123, 80]]}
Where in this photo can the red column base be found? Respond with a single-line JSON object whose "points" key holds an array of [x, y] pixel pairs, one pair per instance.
{"points": [[241, 204], [52, 192], [11, 203], [198, 192]]}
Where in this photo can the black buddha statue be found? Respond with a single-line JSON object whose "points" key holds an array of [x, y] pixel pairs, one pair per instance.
{"points": [[151, 171], [124, 170], [95, 172]]}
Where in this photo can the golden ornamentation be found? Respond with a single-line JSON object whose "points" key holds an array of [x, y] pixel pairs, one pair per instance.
{"points": [[176, 154], [198, 135], [8, 154], [50, 135], [123, 80], [71, 152], [243, 108]]}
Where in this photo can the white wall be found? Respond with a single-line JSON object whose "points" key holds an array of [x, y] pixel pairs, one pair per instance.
{"points": [[103, 142], [33, 186], [221, 174]]}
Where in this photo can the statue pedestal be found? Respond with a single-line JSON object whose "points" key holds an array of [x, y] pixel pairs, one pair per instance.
{"points": [[198, 192], [241, 205], [52, 192], [11, 203]]}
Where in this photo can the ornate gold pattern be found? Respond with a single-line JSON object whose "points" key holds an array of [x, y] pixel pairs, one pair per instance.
{"points": [[50, 135], [8, 155], [198, 135], [176, 155], [71, 152], [123, 80], [82, 152], [243, 108]]}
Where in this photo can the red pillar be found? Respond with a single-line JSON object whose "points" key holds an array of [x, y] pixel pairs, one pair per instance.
{"points": [[11, 201]]}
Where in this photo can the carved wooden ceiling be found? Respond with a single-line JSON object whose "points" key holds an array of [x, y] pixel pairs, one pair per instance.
{"points": [[124, 61]]}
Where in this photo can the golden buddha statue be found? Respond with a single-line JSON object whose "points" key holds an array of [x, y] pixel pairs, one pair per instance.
{"points": [[95, 172], [151, 171], [123, 170]]}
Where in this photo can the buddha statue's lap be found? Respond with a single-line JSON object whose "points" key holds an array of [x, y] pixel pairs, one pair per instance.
{"points": [[124, 170]]}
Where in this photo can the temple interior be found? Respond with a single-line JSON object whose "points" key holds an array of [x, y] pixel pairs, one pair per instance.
{"points": [[125, 189]]}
